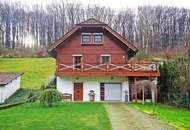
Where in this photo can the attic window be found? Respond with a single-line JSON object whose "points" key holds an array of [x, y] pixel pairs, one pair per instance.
{"points": [[85, 38], [98, 37]]}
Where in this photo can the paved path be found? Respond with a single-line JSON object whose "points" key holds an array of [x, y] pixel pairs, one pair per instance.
{"points": [[124, 117]]}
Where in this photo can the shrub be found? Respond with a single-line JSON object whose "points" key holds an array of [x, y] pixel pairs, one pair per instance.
{"points": [[174, 80], [43, 87], [49, 97], [32, 97], [50, 86], [142, 57]]}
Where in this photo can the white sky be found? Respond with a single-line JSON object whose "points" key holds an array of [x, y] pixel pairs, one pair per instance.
{"points": [[115, 4]]}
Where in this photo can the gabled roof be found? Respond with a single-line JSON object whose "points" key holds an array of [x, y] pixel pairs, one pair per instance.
{"points": [[92, 23], [6, 77], [62, 39]]}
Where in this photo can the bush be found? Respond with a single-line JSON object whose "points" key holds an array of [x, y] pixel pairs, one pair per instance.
{"points": [[49, 97], [143, 57], [32, 97], [50, 86], [43, 87]]}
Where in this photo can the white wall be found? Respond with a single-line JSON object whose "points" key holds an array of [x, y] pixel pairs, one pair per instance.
{"points": [[65, 85], [125, 87], [91, 85], [1, 94], [9, 89]]}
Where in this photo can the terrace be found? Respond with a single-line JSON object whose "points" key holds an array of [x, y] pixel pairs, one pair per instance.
{"points": [[108, 69]]}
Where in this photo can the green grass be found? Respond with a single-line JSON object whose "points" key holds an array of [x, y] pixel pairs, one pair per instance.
{"points": [[179, 118], [71, 116], [36, 71]]}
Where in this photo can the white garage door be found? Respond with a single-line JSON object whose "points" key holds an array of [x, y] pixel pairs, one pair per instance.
{"points": [[113, 91]]}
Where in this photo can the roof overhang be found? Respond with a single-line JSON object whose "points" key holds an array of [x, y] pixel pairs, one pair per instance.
{"points": [[7, 77]]}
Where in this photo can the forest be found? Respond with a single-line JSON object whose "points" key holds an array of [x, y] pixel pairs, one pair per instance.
{"points": [[151, 28]]}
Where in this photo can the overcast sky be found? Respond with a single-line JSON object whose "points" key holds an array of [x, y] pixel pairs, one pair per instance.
{"points": [[116, 4]]}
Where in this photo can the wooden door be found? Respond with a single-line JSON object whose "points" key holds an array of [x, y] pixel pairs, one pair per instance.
{"points": [[78, 91]]}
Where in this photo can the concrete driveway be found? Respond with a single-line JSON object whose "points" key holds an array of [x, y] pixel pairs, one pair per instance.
{"points": [[124, 117]]}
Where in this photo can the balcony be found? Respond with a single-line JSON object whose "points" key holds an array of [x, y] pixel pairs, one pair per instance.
{"points": [[108, 69]]}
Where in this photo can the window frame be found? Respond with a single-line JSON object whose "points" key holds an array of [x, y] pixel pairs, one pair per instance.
{"points": [[105, 55], [94, 34], [84, 34], [81, 58]]}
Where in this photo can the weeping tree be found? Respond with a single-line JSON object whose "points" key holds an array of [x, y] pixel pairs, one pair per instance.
{"points": [[50, 97], [147, 85]]}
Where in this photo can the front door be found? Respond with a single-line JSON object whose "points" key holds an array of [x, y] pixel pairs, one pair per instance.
{"points": [[78, 91]]}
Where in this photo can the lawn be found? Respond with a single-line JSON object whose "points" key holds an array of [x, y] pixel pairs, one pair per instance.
{"points": [[179, 118], [36, 71], [71, 116]]}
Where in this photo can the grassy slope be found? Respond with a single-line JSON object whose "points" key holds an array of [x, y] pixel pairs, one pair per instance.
{"points": [[179, 118], [72, 116], [36, 70]]}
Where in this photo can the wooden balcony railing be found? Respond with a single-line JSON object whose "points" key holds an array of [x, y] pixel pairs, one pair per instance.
{"points": [[109, 68]]}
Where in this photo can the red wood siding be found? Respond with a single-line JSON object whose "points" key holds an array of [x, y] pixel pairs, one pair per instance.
{"points": [[91, 56], [91, 53]]}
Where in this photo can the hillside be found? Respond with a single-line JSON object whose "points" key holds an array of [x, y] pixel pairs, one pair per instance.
{"points": [[36, 71]]}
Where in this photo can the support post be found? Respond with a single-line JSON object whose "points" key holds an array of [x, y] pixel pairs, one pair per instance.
{"points": [[143, 94], [107, 66], [135, 90], [82, 65]]}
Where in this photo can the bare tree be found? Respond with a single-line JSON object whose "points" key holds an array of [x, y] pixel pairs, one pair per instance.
{"points": [[153, 29]]}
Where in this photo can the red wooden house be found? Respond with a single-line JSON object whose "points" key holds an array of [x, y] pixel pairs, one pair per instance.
{"points": [[92, 56]]}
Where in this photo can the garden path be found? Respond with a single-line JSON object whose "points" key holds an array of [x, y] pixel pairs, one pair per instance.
{"points": [[124, 117]]}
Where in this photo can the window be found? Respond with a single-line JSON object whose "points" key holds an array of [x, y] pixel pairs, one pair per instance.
{"points": [[105, 59], [86, 38], [98, 37], [77, 62]]}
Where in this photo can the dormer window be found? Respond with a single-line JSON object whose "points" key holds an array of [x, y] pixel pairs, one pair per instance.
{"points": [[86, 38], [98, 37], [92, 38]]}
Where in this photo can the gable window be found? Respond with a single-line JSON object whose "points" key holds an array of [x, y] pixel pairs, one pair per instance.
{"points": [[98, 37], [86, 37], [105, 59]]}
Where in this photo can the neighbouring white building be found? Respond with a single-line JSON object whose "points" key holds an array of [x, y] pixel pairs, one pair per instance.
{"points": [[9, 84]]}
